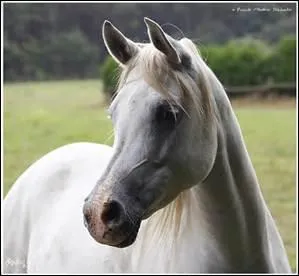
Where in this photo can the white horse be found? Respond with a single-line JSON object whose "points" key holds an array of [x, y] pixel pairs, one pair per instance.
{"points": [[177, 192]]}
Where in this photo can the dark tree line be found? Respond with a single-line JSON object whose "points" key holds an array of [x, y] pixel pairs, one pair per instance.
{"points": [[63, 40]]}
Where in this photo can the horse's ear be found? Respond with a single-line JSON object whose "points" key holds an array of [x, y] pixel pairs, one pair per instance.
{"points": [[162, 41], [120, 48]]}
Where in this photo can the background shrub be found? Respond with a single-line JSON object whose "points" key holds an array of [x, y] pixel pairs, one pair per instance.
{"points": [[242, 62], [109, 75]]}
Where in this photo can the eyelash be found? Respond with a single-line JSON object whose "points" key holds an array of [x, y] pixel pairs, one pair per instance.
{"points": [[167, 114]]}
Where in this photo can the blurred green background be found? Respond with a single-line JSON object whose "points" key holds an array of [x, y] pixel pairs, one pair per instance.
{"points": [[45, 41], [58, 78]]}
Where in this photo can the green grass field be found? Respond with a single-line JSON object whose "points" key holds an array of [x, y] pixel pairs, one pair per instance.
{"points": [[39, 117]]}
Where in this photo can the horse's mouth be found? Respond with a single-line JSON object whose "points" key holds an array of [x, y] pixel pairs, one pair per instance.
{"points": [[129, 240], [120, 238]]}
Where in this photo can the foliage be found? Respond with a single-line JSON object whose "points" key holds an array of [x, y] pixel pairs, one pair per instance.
{"points": [[283, 61], [63, 40], [71, 55], [68, 55], [108, 75], [252, 62], [237, 63]]}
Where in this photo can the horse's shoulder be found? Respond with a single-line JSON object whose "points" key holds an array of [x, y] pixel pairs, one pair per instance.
{"points": [[52, 171], [55, 184]]}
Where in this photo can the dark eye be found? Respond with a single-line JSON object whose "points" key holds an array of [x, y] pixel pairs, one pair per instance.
{"points": [[167, 114]]}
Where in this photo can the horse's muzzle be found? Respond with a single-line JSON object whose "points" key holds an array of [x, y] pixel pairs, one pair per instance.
{"points": [[109, 224]]}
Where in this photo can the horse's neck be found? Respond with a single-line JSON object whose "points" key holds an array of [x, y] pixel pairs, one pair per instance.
{"points": [[231, 198]]}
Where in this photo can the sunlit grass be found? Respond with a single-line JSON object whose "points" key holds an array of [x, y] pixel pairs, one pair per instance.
{"points": [[271, 142]]}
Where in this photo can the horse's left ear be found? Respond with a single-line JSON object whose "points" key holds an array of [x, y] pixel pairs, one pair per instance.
{"points": [[162, 41], [120, 48]]}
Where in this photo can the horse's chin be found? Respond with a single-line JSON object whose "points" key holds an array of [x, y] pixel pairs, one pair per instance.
{"points": [[129, 240], [125, 242]]}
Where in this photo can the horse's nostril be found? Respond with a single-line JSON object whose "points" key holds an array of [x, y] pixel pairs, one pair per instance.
{"points": [[112, 212]]}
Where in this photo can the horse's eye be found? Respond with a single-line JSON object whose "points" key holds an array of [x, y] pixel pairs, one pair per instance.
{"points": [[167, 114]]}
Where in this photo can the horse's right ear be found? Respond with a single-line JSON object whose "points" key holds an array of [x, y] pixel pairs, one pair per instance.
{"points": [[120, 48]]}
